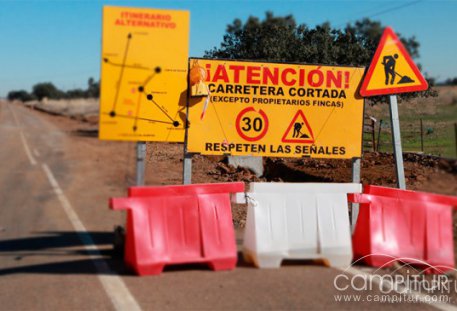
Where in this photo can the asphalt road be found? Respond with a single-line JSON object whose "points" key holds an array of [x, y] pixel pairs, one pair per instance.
{"points": [[56, 234]]}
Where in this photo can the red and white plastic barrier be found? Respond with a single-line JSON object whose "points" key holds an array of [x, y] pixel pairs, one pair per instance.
{"points": [[401, 225], [179, 224], [298, 221]]}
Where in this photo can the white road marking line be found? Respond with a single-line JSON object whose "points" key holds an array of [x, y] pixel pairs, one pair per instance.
{"points": [[401, 290], [27, 149], [113, 285], [36, 153], [14, 115], [21, 133]]}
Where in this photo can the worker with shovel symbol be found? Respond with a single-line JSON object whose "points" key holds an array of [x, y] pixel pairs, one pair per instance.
{"points": [[389, 62], [297, 131]]}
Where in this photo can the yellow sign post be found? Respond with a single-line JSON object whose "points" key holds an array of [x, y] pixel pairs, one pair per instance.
{"points": [[269, 109], [143, 74]]}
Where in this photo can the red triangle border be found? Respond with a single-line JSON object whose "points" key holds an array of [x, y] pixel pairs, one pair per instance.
{"points": [[392, 90], [300, 141]]}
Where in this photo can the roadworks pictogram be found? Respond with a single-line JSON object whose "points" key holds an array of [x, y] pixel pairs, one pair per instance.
{"points": [[299, 131]]}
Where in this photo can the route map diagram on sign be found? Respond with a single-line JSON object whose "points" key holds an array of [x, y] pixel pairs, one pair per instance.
{"points": [[141, 90], [144, 74], [392, 70], [273, 109]]}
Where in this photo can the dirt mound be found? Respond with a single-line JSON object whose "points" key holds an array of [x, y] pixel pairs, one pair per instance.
{"points": [[421, 171], [86, 110]]}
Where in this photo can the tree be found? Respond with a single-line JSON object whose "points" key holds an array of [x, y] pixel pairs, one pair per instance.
{"points": [[21, 95], [93, 88], [47, 89], [450, 81], [76, 93], [281, 39]]}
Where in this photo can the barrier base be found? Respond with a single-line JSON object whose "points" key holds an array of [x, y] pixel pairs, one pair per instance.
{"points": [[274, 260], [157, 268], [267, 261]]}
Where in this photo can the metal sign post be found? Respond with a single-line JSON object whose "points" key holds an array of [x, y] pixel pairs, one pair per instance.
{"points": [[396, 141], [356, 163], [119, 230], [140, 162], [187, 169]]}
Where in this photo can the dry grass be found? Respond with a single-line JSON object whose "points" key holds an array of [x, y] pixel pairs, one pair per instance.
{"points": [[438, 114]]}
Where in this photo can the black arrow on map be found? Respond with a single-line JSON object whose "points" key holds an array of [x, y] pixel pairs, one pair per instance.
{"points": [[116, 97]]}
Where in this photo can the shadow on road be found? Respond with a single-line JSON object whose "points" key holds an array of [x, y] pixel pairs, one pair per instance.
{"points": [[86, 132], [63, 253]]}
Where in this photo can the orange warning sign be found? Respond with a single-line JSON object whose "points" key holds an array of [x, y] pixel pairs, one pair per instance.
{"points": [[243, 108], [299, 131], [392, 70]]}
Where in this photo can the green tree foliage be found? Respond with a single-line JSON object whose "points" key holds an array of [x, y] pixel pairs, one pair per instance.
{"points": [[93, 88], [21, 95], [280, 39], [450, 81], [46, 89], [49, 90], [76, 93]]}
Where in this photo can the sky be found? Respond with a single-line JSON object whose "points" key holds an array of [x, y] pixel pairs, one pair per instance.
{"points": [[59, 41]]}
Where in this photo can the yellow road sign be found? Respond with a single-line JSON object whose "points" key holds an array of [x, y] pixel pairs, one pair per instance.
{"points": [[268, 109], [143, 74], [392, 70]]}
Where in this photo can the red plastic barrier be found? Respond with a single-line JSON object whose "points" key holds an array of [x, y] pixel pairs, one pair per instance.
{"points": [[193, 189], [413, 227], [179, 224]]}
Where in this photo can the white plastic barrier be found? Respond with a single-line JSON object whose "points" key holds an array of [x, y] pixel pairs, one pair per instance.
{"points": [[298, 221]]}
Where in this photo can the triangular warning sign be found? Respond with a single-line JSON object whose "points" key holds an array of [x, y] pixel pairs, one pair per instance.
{"points": [[299, 130], [392, 70]]}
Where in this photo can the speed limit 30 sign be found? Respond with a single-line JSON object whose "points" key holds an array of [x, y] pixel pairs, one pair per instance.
{"points": [[252, 125]]}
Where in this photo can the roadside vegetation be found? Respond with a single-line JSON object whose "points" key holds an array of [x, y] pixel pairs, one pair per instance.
{"points": [[439, 118], [50, 91]]}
